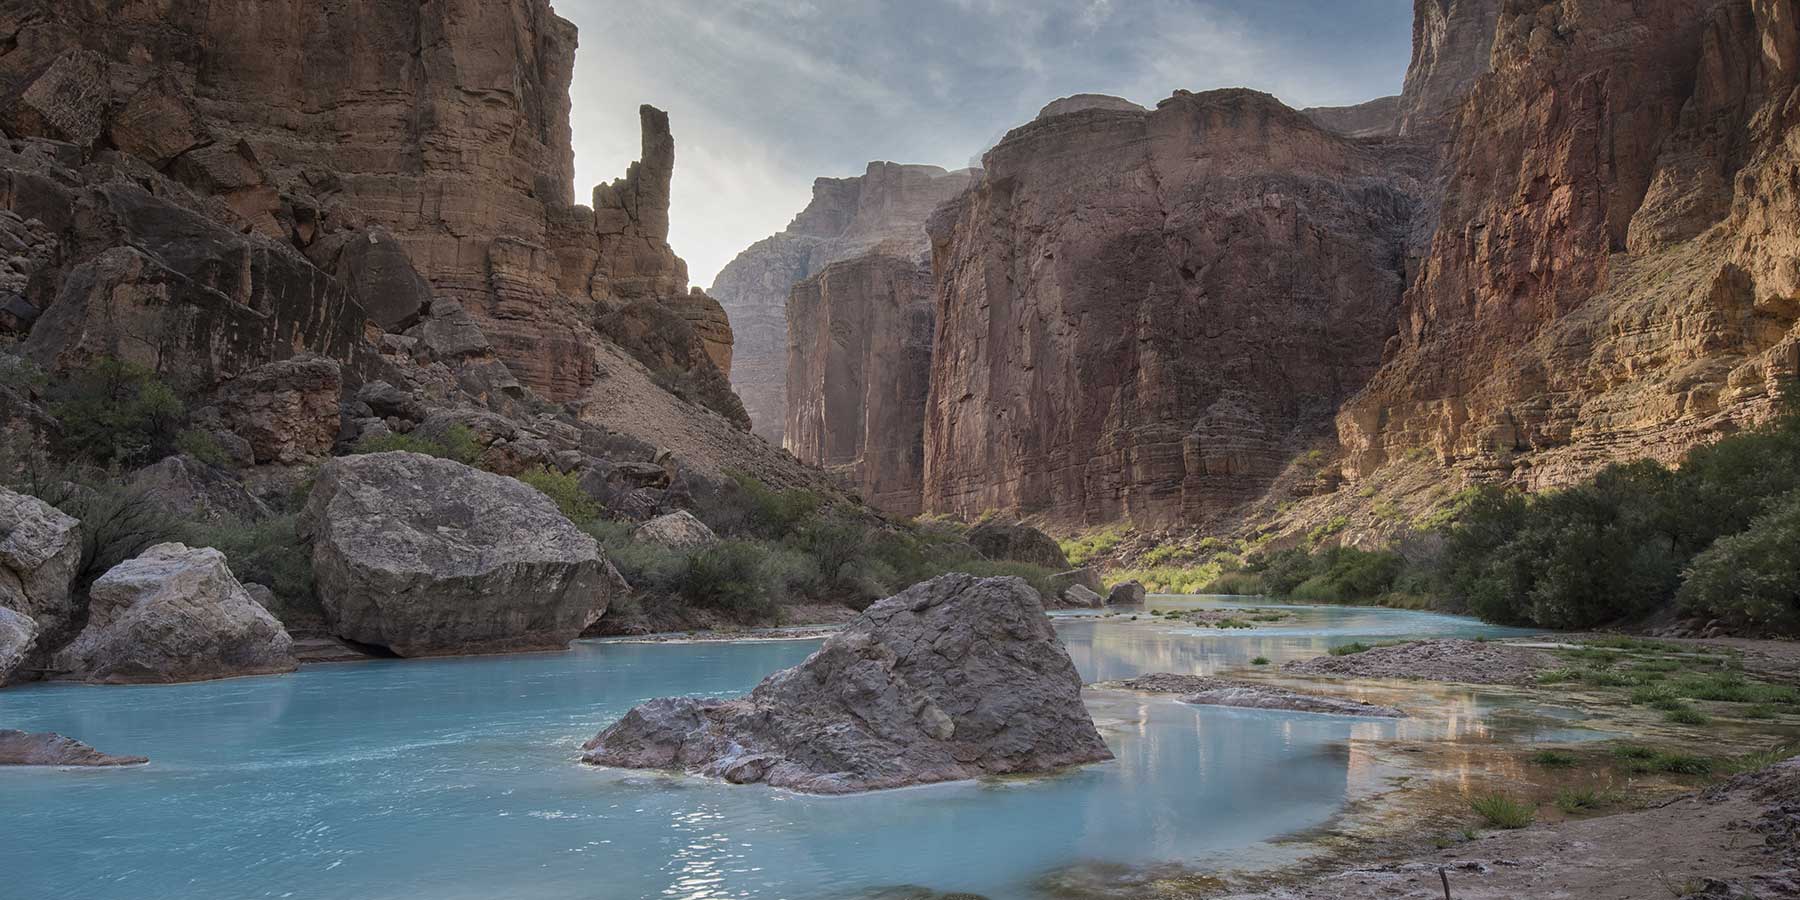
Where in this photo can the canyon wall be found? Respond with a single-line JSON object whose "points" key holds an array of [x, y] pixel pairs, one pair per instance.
{"points": [[885, 208], [1144, 315], [1615, 274], [859, 366], [419, 151]]}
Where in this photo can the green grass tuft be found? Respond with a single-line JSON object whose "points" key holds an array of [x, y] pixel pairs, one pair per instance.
{"points": [[1553, 759], [1501, 811]]}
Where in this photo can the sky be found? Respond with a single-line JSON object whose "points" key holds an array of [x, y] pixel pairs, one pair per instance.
{"points": [[766, 95]]}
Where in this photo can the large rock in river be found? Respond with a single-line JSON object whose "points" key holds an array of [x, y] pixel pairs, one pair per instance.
{"points": [[429, 557], [954, 678], [22, 748], [40, 554], [175, 613]]}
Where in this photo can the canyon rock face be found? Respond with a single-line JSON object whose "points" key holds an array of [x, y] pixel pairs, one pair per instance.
{"points": [[858, 371], [1614, 276], [1144, 314], [885, 208], [429, 557], [174, 614], [958, 677]]}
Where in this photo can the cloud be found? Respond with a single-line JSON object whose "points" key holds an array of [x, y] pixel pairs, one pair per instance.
{"points": [[766, 95]]}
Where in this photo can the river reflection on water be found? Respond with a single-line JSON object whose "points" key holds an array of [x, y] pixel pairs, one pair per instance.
{"points": [[450, 779]]}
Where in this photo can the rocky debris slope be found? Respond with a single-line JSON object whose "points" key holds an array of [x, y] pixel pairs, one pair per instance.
{"points": [[429, 557], [1472, 662], [882, 211], [1186, 294], [1250, 695], [19, 748], [40, 556], [174, 613], [1613, 276], [954, 678]]}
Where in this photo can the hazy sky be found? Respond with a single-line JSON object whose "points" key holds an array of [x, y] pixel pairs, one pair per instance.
{"points": [[766, 95]]}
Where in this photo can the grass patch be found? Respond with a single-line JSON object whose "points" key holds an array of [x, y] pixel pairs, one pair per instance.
{"points": [[1350, 649], [1260, 661], [1763, 711], [1553, 759], [1501, 811], [1558, 676], [1580, 800], [1686, 715]]}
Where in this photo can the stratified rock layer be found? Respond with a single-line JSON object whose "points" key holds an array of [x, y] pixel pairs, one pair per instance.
{"points": [[957, 677], [1143, 315], [427, 557], [859, 368], [886, 207], [1614, 276], [174, 613]]}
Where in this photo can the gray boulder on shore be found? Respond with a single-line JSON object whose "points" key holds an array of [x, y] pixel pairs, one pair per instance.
{"points": [[1129, 593], [40, 553], [429, 557], [18, 635], [175, 613], [957, 677]]}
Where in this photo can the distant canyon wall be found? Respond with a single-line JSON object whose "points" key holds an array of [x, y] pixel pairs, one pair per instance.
{"points": [[884, 210], [1143, 315]]}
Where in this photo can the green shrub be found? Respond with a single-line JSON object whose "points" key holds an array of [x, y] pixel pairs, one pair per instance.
{"points": [[1686, 715], [732, 576], [1237, 582], [1752, 578], [202, 446], [1501, 811], [270, 553], [457, 443], [116, 413], [1578, 800], [1260, 661], [565, 490], [1350, 649], [118, 521], [1093, 544]]}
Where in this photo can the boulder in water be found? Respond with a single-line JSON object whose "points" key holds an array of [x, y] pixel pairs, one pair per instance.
{"points": [[429, 557], [20, 748], [174, 613], [1128, 593], [954, 678]]}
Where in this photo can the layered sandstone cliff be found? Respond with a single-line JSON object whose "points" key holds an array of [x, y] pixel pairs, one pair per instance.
{"points": [[885, 208], [1144, 314], [435, 133], [1615, 272], [859, 366]]}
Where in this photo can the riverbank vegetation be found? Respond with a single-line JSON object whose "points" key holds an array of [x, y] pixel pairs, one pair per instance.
{"points": [[1716, 537]]}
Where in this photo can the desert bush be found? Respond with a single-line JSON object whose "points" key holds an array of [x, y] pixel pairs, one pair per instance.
{"points": [[457, 443], [1752, 578], [1501, 811], [270, 553], [734, 577], [564, 488], [117, 521], [116, 413]]}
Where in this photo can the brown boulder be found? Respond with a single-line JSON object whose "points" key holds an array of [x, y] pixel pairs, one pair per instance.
{"points": [[287, 410]]}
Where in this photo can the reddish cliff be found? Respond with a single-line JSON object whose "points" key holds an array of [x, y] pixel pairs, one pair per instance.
{"points": [[437, 133], [1145, 314], [885, 206], [1614, 276], [859, 351]]}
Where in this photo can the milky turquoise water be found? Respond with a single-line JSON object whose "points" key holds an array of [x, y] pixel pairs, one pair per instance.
{"points": [[459, 779]]}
